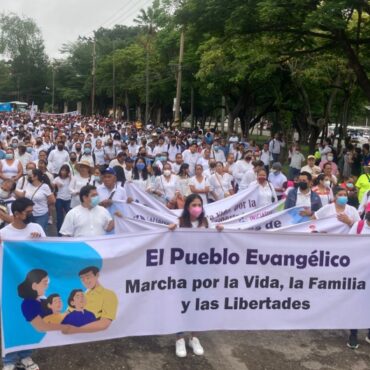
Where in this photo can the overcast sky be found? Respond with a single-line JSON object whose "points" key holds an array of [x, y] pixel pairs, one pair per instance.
{"points": [[63, 21]]}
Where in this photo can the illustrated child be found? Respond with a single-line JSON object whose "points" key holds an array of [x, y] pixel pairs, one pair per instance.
{"points": [[55, 304], [79, 316]]}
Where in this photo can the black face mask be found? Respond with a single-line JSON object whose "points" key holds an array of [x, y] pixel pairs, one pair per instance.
{"points": [[173, 142], [60, 146], [73, 159], [30, 180], [303, 185], [296, 185], [28, 219], [78, 149]]}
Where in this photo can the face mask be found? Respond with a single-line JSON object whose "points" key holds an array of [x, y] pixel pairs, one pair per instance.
{"points": [[216, 148], [140, 166], [73, 159], [248, 159], [28, 219], [78, 149], [303, 185], [9, 156], [29, 150], [4, 194], [342, 200], [95, 201], [60, 146], [29, 173], [39, 142], [349, 185], [261, 180], [96, 178], [163, 159], [330, 159], [167, 173], [327, 184], [87, 150], [14, 145], [195, 211], [110, 144], [173, 142]]}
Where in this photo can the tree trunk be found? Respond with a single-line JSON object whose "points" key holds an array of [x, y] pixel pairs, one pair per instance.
{"points": [[127, 107]]}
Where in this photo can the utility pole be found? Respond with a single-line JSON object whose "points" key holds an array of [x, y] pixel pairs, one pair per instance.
{"points": [[179, 80], [114, 83], [223, 103], [147, 82], [93, 73], [192, 106], [53, 91]]}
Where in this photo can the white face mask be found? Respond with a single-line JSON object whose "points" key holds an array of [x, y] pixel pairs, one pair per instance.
{"points": [[4, 194], [330, 159], [167, 173]]}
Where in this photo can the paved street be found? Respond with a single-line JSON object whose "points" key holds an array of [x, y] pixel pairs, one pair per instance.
{"points": [[282, 350]]}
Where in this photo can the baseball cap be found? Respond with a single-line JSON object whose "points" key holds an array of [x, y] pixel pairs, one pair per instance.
{"points": [[311, 157], [109, 171]]}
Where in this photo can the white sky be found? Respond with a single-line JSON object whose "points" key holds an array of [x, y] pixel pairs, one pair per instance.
{"points": [[63, 21]]}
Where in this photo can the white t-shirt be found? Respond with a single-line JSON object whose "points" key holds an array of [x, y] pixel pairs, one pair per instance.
{"points": [[119, 193], [64, 192], [220, 184], [39, 195], [200, 186], [167, 187], [330, 210], [75, 186], [85, 222], [10, 232]]}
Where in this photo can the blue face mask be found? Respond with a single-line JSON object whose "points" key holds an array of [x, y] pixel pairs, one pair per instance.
{"points": [[87, 150], [9, 156], [95, 201], [29, 150], [216, 148], [140, 166], [342, 201]]}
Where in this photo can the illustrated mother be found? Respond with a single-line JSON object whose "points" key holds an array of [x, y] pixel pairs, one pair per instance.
{"points": [[32, 290]]}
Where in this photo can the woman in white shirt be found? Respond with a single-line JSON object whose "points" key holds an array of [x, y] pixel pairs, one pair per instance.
{"points": [[266, 191], [64, 195], [199, 183], [345, 213], [38, 190], [220, 183], [140, 176], [81, 178], [165, 186]]}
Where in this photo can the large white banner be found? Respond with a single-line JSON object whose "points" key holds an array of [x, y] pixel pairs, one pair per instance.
{"points": [[124, 225], [163, 282], [217, 212]]}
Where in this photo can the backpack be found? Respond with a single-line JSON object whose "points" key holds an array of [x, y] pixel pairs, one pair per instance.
{"points": [[360, 226]]}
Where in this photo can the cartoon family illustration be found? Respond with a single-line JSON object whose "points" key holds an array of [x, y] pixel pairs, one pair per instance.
{"points": [[87, 312]]}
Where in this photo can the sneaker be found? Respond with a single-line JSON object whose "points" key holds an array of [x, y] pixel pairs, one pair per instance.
{"points": [[9, 367], [197, 348], [352, 342], [180, 348], [28, 364], [367, 339], [50, 220]]}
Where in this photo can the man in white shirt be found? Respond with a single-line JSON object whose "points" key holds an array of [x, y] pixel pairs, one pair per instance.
{"points": [[178, 162], [173, 149], [132, 147], [88, 218], [265, 157], [109, 191], [250, 175], [217, 153], [21, 228], [23, 156], [278, 179], [161, 147], [311, 167], [191, 158], [275, 148], [57, 158]]}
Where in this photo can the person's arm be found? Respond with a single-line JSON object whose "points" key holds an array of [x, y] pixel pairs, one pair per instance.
{"points": [[20, 172], [41, 326], [92, 327], [5, 217], [51, 199]]}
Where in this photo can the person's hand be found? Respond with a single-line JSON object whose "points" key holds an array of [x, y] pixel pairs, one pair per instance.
{"points": [[118, 214], [35, 235], [305, 212], [172, 227], [219, 227], [129, 200], [342, 217], [106, 203]]}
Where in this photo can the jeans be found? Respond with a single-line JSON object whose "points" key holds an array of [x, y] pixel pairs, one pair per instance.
{"points": [[275, 157], [62, 207], [42, 220], [14, 357], [293, 172]]}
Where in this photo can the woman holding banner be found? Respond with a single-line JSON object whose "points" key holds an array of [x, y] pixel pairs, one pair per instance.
{"points": [[193, 216], [266, 191], [199, 183], [220, 182]]}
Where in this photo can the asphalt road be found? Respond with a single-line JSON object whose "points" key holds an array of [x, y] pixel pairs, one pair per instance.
{"points": [[244, 350]]}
